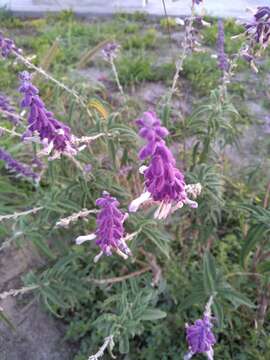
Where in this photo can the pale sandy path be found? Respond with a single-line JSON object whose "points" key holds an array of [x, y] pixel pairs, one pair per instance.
{"points": [[225, 8]]}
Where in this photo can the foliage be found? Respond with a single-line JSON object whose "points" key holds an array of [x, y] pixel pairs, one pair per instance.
{"points": [[231, 29], [167, 22], [220, 249], [201, 70]]}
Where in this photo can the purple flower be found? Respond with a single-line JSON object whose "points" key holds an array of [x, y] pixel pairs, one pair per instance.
{"points": [[109, 234], [110, 51], [164, 183], [222, 58], [8, 110], [200, 337], [259, 29], [196, 2], [17, 167], [6, 46], [87, 168], [54, 135]]}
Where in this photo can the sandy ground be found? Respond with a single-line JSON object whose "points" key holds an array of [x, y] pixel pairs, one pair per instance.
{"points": [[38, 336]]}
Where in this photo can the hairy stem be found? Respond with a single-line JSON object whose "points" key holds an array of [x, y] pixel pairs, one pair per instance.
{"points": [[18, 214], [116, 76], [73, 92], [108, 342]]}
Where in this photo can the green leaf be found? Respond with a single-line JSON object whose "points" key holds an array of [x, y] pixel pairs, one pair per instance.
{"points": [[254, 236], [112, 151], [264, 267], [6, 320], [158, 239], [124, 344], [43, 247], [194, 298], [219, 314], [236, 298], [153, 314]]}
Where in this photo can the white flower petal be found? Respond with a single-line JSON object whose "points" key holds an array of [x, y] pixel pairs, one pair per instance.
{"points": [[136, 203], [163, 211], [126, 215], [81, 148], [157, 212], [120, 253], [97, 257], [166, 210], [210, 354], [205, 23], [142, 169], [188, 355], [179, 205], [192, 204], [83, 238], [179, 21]]}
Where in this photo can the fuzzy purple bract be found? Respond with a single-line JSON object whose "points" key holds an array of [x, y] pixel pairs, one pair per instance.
{"points": [[164, 183], [110, 51], [7, 46], [259, 29], [17, 167], [110, 229], [109, 234], [200, 336], [55, 137], [8, 110], [222, 58]]}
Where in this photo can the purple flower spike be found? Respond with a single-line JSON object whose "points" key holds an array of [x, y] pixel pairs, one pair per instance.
{"points": [[15, 166], [54, 135], [8, 110], [259, 29], [109, 234], [6, 46], [110, 51], [200, 337], [222, 58], [164, 183]]}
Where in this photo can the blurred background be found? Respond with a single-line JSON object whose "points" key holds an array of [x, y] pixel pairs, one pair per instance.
{"points": [[156, 7]]}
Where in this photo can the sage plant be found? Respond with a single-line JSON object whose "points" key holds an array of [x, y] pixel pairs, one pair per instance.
{"points": [[200, 336], [109, 234], [164, 183], [16, 167], [55, 137], [7, 46], [257, 34], [110, 52], [8, 110], [259, 29], [222, 58]]}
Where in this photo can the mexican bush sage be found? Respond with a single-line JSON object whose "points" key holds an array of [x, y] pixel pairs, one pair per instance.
{"points": [[200, 336], [164, 183], [7, 46], [17, 167], [109, 234], [110, 51], [259, 29], [222, 58], [55, 137], [8, 110]]}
